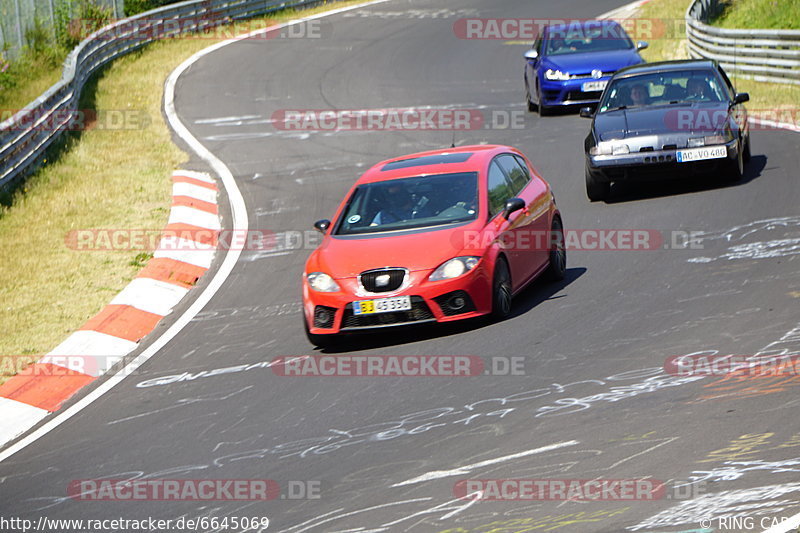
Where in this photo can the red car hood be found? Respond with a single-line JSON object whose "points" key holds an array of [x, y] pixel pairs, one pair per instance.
{"points": [[422, 250]]}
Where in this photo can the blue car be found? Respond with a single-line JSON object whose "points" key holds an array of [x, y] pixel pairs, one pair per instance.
{"points": [[570, 64]]}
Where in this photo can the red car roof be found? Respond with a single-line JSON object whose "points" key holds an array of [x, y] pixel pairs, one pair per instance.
{"points": [[481, 155]]}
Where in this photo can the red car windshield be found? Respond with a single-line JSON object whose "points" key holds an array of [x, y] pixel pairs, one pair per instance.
{"points": [[410, 203]]}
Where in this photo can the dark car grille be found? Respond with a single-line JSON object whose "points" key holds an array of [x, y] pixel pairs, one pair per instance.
{"points": [[419, 311], [656, 169], [659, 159], [369, 279]]}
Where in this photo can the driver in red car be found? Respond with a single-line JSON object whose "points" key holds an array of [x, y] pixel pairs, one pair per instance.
{"points": [[401, 207]]}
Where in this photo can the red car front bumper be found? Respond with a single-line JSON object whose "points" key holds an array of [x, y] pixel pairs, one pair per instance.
{"points": [[467, 296]]}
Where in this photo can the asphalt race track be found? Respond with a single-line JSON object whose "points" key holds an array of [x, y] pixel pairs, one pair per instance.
{"points": [[593, 347]]}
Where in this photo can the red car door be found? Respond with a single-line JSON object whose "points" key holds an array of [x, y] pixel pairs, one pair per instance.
{"points": [[499, 191], [530, 226]]}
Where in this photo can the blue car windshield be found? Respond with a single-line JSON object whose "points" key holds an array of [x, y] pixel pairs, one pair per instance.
{"points": [[579, 41], [410, 203]]}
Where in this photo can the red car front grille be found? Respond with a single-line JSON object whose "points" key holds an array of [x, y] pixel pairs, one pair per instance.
{"points": [[383, 280]]}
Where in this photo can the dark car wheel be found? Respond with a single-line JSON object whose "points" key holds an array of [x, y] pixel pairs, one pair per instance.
{"points": [[735, 168], [596, 190], [501, 290], [320, 341], [558, 253]]}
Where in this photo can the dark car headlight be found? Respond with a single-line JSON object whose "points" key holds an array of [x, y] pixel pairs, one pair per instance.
{"points": [[708, 140], [609, 148]]}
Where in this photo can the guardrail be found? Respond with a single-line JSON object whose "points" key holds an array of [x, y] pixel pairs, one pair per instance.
{"points": [[763, 55], [25, 136]]}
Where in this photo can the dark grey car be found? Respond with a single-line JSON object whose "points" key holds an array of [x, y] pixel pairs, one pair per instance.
{"points": [[667, 120]]}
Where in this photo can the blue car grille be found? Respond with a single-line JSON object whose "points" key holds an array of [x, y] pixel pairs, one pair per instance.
{"points": [[589, 75], [580, 95]]}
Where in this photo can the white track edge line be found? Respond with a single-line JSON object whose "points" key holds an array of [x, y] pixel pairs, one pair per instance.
{"points": [[240, 222]]}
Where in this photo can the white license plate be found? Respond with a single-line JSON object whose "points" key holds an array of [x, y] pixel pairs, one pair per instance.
{"points": [[699, 154], [382, 305], [591, 86]]}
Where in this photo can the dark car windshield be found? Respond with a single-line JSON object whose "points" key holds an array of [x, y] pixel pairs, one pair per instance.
{"points": [[410, 203], [658, 88], [568, 40]]}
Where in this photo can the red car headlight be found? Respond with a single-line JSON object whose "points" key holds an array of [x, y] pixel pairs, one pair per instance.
{"points": [[322, 282], [458, 266]]}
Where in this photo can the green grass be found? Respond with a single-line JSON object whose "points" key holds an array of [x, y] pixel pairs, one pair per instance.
{"points": [[669, 30], [672, 45], [100, 178], [27, 78], [754, 14]]}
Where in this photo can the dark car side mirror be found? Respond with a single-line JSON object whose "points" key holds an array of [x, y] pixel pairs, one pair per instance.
{"points": [[587, 112], [322, 226], [641, 45], [513, 205], [741, 98], [531, 55]]}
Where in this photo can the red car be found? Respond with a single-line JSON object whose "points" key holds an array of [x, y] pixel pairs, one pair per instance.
{"points": [[432, 237]]}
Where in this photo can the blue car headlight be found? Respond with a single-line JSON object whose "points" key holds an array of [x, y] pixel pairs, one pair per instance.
{"points": [[556, 75]]}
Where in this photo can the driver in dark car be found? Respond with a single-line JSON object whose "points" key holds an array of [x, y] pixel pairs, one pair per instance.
{"points": [[639, 95], [697, 89]]}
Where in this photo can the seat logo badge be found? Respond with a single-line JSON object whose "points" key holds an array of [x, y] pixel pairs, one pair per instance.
{"points": [[597, 74], [382, 280]]}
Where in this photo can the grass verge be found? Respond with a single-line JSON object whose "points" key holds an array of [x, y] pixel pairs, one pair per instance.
{"points": [[32, 76], [98, 178], [763, 96], [757, 14]]}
